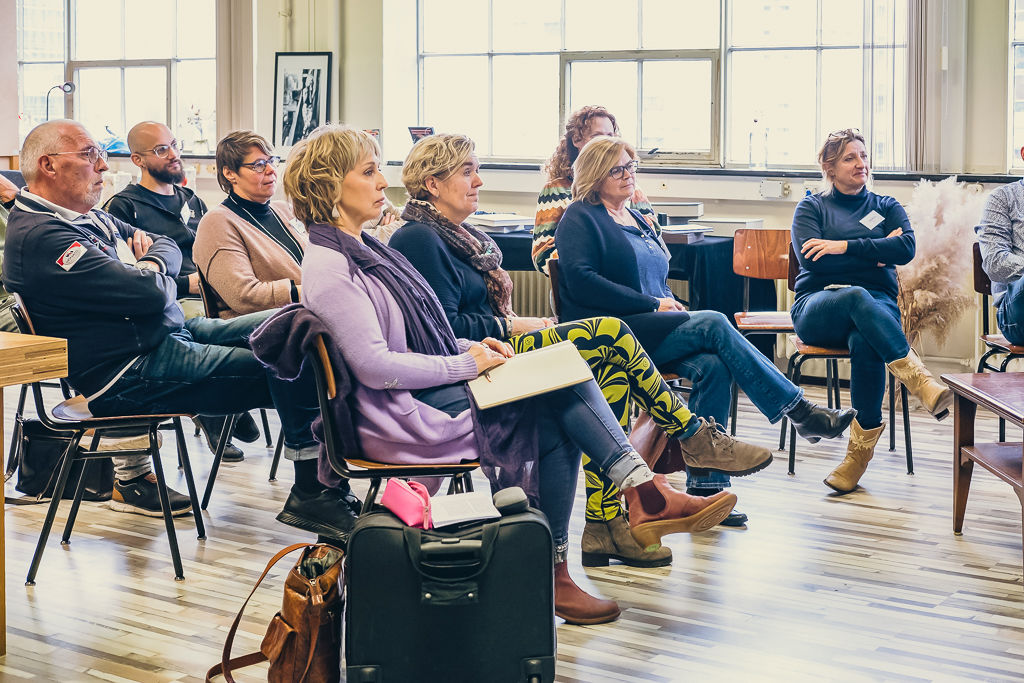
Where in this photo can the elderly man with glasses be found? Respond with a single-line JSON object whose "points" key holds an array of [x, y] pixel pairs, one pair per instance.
{"points": [[109, 289]]}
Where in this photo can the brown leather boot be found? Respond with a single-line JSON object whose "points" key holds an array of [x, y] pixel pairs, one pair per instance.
{"points": [[611, 540], [859, 452], [936, 397], [656, 509], [712, 449], [578, 607]]}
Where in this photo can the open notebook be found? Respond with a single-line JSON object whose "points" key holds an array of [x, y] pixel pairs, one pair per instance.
{"points": [[530, 374]]}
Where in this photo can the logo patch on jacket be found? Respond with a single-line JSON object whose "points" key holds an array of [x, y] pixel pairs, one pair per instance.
{"points": [[70, 256]]}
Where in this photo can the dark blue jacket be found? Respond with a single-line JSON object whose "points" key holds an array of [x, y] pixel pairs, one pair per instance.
{"points": [[135, 205], [108, 311], [459, 287], [598, 274], [836, 216]]}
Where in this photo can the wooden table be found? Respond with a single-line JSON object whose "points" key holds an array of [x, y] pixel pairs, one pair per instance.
{"points": [[24, 358], [1003, 394]]}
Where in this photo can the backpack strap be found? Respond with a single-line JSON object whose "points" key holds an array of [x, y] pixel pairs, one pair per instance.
{"points": [[226, 663]]}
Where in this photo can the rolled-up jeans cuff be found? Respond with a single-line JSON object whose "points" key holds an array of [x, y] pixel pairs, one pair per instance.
{"points": [[623, 466], [304, 453]]}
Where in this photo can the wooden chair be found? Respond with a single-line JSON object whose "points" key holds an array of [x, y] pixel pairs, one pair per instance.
{"points": [[213, 305], [995, 343], [351, 465], [831, 356], [72, 415], [759, 255]]}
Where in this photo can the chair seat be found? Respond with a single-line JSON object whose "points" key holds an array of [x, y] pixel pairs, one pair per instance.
{"points": [[809, 350], [1000, 342], [76, 409], [452, 468], [764, 321]]}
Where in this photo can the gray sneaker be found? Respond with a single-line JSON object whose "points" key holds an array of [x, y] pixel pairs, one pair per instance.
{"points": [[712, 449]]}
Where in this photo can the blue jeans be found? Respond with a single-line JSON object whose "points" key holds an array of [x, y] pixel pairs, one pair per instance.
{"points": [[708, 351], [571, 421], [866, 322], [1010, 313], [207, 368]]}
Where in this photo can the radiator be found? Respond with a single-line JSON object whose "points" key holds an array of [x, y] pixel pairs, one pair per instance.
{"points": [[530, 293]]}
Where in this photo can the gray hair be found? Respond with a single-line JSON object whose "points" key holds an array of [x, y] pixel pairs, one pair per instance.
{"points": [[46, 136]]}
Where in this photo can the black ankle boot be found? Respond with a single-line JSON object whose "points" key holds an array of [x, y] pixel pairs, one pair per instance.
{"points": [[815, 423], [735, 518]]}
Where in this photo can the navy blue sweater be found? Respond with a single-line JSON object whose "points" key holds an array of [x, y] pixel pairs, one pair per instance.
{"points": [[836, 216], [598, 274], [459, 287]]}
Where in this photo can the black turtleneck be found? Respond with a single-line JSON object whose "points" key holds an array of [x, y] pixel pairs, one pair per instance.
{"points": [[263, 218]]}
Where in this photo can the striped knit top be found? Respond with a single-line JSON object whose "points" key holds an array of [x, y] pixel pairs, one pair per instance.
{"points": [[554, 199]]}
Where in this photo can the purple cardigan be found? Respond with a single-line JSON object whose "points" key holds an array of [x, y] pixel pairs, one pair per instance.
{"points": [[364, 321]]}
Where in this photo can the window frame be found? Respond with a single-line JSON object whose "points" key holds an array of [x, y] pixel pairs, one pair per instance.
{"points": [[72, 67], [663, 158], [1014, 162]]}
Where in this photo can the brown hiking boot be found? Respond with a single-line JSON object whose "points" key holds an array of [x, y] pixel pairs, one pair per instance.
{"points": [[656, 509], [576, 606], [712, 449], [611, 540], [937, 398]]}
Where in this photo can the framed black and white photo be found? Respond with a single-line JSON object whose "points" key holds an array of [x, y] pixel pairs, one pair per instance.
{"points": [[302, 95]]}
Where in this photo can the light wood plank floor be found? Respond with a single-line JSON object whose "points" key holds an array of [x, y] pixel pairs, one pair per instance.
{"points": [[870, 586]]}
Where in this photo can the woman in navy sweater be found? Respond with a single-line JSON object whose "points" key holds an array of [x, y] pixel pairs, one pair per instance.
{"points": [[849, 241], [613, 263]]}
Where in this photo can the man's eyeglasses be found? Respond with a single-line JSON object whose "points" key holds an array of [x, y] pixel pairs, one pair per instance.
{"points": [[619, 172], [260, 166], [93, 154], [846, 133], [163, 150]]}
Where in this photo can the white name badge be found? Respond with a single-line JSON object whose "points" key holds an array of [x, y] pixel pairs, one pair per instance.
{"points": [[872, 220], [186, 214], [298, 226]]}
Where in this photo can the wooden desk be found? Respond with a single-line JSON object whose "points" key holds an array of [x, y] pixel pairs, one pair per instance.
{"points": [[1003, 394], [24, 358]]}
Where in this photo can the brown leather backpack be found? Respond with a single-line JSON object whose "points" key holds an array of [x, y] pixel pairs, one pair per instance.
{"points": [[303, 641]]}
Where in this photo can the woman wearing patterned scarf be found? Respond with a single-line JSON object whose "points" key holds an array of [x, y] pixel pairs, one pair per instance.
{"points": [[463, 266]]}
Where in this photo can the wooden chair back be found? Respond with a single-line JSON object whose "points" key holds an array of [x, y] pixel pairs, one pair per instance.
{"points": [[761, 254], [794, 269], [556, 299], [983, 286], [212, 304]]}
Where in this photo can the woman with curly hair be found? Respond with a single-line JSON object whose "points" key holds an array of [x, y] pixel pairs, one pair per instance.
{"points": [[583, 125]]}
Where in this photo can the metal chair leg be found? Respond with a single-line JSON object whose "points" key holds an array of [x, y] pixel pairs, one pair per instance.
{"points": [[76, 501], [837, 403], [906, 429], [190, 481], [371, 495], [892, 412], [277, 456], [266, 426], [792, 427], [165, 505], [51, 511], [828, 383], [784, 422], [734, 400], [225, 436]]}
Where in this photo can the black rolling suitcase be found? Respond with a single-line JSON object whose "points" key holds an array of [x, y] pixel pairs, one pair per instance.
{"points": [[468, 603]]}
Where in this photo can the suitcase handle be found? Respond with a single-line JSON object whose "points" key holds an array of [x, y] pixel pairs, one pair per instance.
{"points": [[439, 556]]}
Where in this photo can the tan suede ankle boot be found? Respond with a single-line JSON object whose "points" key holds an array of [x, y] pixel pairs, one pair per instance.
{"points": [[936, 397], [611, 540], [859, 452]]}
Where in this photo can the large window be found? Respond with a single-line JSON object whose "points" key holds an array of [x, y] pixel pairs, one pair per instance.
{"points": [[724, 82], [130, 60], [1017, 83]]}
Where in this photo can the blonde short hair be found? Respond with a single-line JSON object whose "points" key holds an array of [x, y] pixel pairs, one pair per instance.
{"points": [[597, 158], [438, 155], [232, 150], [318, 165]]}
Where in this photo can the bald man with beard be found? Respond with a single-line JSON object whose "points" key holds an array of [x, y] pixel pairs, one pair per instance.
{"points": [[159, 204]]}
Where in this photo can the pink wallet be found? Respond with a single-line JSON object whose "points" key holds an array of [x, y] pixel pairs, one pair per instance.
{"points": [[409, 501]]}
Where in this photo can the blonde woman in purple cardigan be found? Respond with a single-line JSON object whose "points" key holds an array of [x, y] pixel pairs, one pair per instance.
{"points": [[410, 402]]}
